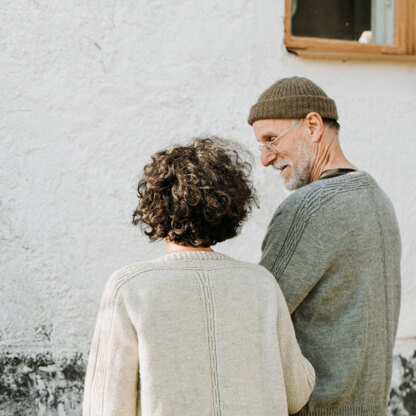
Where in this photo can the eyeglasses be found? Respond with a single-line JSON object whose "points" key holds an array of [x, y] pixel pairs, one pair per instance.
{"points": [[269, 145]]}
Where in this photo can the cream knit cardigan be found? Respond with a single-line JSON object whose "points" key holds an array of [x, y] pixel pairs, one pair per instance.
{"points": [[195, 334]]}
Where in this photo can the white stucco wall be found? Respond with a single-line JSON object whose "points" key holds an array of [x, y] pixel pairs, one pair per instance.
{"points": [[90, 89]]}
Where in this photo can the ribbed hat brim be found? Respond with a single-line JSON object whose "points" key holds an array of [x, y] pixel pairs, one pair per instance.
{"points": [[293, 107]]}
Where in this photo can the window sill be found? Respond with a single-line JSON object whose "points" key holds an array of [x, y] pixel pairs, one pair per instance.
{"points": [[347, 56]]}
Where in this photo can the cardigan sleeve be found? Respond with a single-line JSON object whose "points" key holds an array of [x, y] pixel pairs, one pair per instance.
{"points": [[112, 378], [298, 373]]}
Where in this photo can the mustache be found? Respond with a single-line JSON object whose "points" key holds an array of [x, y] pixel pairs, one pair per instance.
{"points": [[279, 164]]}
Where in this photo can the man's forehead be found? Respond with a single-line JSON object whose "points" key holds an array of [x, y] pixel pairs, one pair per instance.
{"points": [[272, 125]]}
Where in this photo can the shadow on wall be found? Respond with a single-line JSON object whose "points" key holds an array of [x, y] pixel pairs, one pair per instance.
{"points": [[39, 385]]}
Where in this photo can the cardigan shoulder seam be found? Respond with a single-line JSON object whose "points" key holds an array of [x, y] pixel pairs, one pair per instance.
{"points": [[122, 276]]}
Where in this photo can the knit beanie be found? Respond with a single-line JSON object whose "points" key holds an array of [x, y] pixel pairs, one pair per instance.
{"points": [[293, 97]]}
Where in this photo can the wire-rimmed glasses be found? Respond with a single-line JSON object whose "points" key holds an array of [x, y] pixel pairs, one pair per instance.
{"points": [[269, 145]]}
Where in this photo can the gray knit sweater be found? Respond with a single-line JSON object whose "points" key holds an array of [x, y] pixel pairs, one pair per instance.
{"points": [[334, 248], [195, 334]]}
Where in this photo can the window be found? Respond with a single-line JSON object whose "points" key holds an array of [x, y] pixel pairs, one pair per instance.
{"points": [[351, 29]]}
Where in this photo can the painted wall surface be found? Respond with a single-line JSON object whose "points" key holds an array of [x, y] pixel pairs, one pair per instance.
{"points": [[89, 90]]}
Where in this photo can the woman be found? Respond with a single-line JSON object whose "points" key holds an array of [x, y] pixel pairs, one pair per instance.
{"points": [[195, 332]]}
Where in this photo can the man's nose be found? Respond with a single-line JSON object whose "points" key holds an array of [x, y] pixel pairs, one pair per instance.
{"points": [[267, 157]]}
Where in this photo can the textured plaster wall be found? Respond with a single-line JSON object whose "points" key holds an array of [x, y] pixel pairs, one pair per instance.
{"points": [[89, 89]]}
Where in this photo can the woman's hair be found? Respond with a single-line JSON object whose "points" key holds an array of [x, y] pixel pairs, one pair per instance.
{"points": [[195, 195]]}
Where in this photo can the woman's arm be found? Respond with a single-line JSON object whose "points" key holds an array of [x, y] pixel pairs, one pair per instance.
{"points": [[112, 379], [298, 373]]}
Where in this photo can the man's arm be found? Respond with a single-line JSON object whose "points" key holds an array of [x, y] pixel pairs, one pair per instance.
{"points": [[292, 250]]}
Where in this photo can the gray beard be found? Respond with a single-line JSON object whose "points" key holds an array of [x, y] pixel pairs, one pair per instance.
{"points": [[301, 176]]}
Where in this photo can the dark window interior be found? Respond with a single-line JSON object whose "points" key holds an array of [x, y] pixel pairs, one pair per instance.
{"points": [[340, 19]]}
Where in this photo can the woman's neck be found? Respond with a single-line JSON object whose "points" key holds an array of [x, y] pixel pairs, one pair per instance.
{"points": [[172, 247]]}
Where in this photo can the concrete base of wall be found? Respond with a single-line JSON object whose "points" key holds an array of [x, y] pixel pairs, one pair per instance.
{"points": [[41, 385]]}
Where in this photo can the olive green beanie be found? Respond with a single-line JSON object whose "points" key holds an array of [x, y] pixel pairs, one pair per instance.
{"points": [[293, 97]]}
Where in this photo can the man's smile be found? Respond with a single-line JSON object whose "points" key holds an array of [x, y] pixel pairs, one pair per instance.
{"points": [[282, 165]]}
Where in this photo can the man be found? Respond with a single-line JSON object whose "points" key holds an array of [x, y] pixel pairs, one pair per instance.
{"points": [[334, 247]]}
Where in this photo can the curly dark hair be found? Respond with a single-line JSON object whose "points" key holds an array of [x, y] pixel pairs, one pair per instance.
{"points": [[195, 195]]}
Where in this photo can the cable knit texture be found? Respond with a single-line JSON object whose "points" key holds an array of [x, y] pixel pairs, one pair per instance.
{"points": [[198, 334], [334, 248]]}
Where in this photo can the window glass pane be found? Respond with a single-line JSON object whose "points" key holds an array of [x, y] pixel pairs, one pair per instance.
{"points": [[365, 21]]}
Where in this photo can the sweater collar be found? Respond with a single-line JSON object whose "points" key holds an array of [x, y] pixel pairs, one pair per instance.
{"points": [[194, 255], [332, 173]]}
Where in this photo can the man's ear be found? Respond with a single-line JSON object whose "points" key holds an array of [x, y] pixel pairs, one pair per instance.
{"points": [[315, 126]]}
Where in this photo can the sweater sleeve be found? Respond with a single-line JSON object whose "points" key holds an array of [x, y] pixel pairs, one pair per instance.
{"points": [[112, 378], [292, 251], [298, 373]]}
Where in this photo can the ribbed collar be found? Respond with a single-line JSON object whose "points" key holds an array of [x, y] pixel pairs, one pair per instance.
{"points": [[194, 255], [332, 173]]}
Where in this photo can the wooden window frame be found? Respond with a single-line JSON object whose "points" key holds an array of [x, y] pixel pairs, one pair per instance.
{"points": [[403, 48]]}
